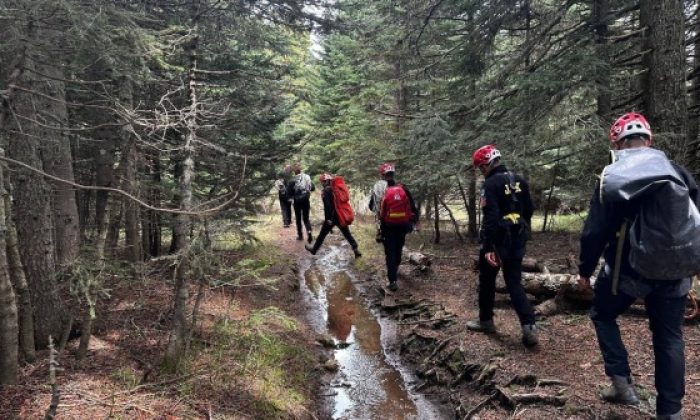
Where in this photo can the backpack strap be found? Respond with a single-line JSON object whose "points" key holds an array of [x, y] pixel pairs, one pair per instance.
{"points": [[621, 235]]}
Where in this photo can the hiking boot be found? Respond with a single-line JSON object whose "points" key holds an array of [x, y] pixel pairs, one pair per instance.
{"points": [[309, 238], [393, 286], [481, 326], [530, 335], [676, 416], [310, 249], [357, 253], [621, 391]]}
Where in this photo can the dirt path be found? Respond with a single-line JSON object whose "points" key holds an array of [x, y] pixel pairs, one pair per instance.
{"points": [[495, 376]]}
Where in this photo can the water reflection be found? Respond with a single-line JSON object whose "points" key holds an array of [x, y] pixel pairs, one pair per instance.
{"points": [[367, 386]]}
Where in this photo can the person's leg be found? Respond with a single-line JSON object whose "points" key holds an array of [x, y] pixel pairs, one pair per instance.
{"points": [[287, 213], [325, 230], [348, 236], [512, 274], [391, 241], [284, 206], [605, 309], [487, 288], [666, 324], [297, 217], [306, 208]]}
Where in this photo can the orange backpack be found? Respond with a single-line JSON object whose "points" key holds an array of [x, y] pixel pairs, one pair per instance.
{"points": [[341, 201]]}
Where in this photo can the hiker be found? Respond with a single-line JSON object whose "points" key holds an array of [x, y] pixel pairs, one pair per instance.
{"points": [[332, 215], [507, 209], [398, 216], [299, 188], [376, 196], [284, 198], [625, 278]]}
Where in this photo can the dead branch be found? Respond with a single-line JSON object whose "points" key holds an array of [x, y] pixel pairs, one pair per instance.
{"points": [[206, 212]]}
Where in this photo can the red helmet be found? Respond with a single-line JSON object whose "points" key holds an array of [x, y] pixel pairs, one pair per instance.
{"points": [[385, 168], [485, 155], [629, 124], [325, 177]]}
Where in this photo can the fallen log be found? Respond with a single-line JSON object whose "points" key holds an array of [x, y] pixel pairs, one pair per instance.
{"points": [[418, 259]]}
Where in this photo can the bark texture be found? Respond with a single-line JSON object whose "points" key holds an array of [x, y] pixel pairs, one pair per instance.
{"points": [[664, 79], [32, 201], [8, 307]]}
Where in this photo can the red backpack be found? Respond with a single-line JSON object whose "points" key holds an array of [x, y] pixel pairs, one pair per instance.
{"points": [[341, 201], [396, 207]]}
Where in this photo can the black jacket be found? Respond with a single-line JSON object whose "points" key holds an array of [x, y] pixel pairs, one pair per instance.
{"points": [[603, 223], [328, 206], [497, 201]]}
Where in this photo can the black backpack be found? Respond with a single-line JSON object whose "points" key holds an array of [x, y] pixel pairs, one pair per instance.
{"points": [[512, 228], [301, 189], [664, 234]]}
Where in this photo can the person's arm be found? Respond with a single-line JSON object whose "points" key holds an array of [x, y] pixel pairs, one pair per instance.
{"points": [[414, 209], [693, 190], [489, 216], [311, 183], [328, 208], [526, 200], [595, 235], [372, 204]]}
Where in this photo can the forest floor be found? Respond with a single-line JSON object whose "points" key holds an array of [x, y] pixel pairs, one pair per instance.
{"points": [[492, 375], [253, 355]]}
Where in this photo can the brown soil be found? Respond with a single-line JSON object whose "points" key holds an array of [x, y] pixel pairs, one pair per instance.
{"points": [[450, 359], [120, 377]]}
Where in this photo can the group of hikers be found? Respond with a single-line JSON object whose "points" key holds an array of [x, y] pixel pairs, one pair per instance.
{"points": [[643, 220]]}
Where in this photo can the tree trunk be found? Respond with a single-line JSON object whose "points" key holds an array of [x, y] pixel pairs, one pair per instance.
{"points": [[473, 214], [600, 10], [548, 204], [32, 208], [8, 306], [151, 220], [177, 342], [664, 79], [436, 238], [56, 151], [19, 282], [452, 218], [693, 148]]}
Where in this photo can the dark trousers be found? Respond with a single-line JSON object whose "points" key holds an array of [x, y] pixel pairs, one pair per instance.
{"points": [[286, 208], [394, 240], [665, 321], [301, 212], [512, 271], [326, 229]]}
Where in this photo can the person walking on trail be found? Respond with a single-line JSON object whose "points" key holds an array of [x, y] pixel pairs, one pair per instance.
{"points": [[284, 199], [631, 213], [300, 188], [507, 209], [398, 216], [376, 196], [331, 219]]}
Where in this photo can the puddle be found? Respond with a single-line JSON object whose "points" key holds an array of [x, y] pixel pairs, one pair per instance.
{"points": [[370, 383]]}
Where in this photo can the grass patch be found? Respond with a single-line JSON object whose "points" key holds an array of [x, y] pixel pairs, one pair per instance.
{"points": [[265, 362]]}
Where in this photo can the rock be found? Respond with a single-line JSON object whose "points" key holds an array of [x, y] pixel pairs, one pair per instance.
{"points": [[331, 365], [326, 341]]}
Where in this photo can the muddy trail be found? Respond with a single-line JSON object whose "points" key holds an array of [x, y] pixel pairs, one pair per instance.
{"points": [[367, 379]]}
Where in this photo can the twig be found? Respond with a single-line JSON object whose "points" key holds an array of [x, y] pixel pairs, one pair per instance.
{"points": [[55, 391], [478, 407], [131, 197], [425, 321]]}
